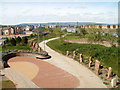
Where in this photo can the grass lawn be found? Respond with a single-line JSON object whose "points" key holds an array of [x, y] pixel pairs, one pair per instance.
{"points": [[73, 36], [41, 38], [107, 55], [26, 47], [8, 84]]}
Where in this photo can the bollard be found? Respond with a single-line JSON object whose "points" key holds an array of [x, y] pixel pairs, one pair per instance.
{"points": [[81, 58], [109, 72], [90, 61], [74, 54], [67, 53], [97, 66]]}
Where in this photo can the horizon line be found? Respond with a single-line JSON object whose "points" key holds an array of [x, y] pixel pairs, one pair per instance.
{"points": [[60, 22]]}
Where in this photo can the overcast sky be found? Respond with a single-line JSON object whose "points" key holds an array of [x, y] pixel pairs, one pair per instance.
{"points": [[35, 12]]}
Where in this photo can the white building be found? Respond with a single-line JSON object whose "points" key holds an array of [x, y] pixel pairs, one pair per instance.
{"points": [[12, 30], [69, 29], [52, 26], [27, 28]]}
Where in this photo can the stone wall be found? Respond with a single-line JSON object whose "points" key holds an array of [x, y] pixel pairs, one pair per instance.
{"points": [[5, 58]]}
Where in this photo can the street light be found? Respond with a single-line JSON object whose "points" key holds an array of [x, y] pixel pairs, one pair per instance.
{"points": [[44, 42], [43, 39], [38, 36]]}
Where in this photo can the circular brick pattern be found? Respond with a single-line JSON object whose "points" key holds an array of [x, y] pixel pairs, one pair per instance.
{"points": [[48, 76]]}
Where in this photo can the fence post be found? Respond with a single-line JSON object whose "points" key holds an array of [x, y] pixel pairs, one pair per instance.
{"points": [[81, 58], [74, 54], [67, 53], [109, 72], [90, 61], [97, 67]]}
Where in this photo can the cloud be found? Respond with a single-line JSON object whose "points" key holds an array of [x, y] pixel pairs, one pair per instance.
{"points": [[13, 13]]}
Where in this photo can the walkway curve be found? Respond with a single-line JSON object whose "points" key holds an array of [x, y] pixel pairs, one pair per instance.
{"points": [[86, 77], [19, 80]]}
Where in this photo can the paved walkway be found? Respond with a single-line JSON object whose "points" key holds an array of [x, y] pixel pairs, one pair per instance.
{"points": [[45, 75], [19, 80], [86, 77]]}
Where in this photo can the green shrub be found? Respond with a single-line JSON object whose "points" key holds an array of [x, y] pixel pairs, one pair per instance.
{"points": [[44, 53], [18, 40], [13, 42], [105, 83], [24, 41]]}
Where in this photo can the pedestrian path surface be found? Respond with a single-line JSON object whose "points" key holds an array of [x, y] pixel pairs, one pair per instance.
{"points": [[19, 80], [45, 75], [86, 77]]}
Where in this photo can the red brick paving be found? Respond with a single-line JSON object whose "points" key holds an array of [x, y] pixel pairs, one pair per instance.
{"points": [[50, 76]]}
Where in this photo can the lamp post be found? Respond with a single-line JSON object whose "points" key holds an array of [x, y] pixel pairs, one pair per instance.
{"points": [[41, 37], [44, 42], [38, 36]]}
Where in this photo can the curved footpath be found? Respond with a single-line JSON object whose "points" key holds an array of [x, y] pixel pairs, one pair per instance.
{"points": [[19, 79], [86, 77]]}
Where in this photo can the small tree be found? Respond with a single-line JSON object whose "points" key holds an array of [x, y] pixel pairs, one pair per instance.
{"points": [[7, 40], [18, 40], [100, 26], [31, 35], [81, 31], [51, 30], [112, 39], [13, 42], [58, 32], [24, 41]]}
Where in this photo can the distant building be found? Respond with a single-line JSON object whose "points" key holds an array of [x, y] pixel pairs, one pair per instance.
{"points": [[97, 26], [27, 28], [5, 31], [69, 29], [52, 26], [10, 31], [114, 26], [101, 26], [35, 26], [105, 26], [46, 26], [15, 30], [85, 26], [1, 32]]}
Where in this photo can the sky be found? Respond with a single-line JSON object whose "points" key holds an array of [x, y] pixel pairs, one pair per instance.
{"points": [[16, 12], [59, 0]]}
